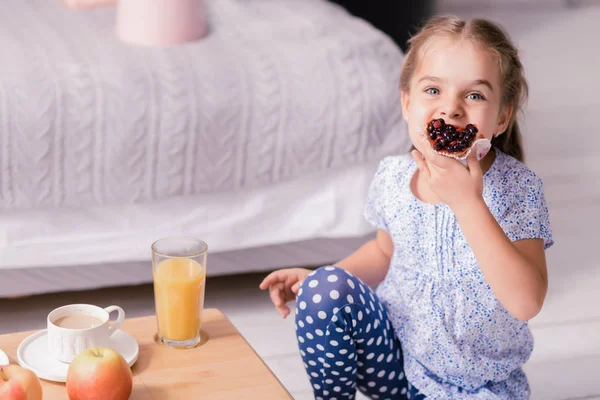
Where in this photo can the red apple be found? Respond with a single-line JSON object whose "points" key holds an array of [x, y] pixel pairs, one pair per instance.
{"points": [[99, 374], [18, 383]]}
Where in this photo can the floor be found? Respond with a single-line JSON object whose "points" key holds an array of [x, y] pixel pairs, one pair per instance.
{"points": [[560, 52]]}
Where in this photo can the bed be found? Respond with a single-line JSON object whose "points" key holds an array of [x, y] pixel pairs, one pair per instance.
{"points": [[261, 139]]}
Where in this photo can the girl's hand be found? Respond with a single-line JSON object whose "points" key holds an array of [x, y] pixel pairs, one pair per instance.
{"points": [[283, 286], [454, 184]]}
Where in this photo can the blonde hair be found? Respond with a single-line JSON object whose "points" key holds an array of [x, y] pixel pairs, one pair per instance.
{"points": [[493, 39]]}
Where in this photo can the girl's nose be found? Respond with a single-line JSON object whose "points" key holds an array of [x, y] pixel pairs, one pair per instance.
{"points": [[452, 109]]}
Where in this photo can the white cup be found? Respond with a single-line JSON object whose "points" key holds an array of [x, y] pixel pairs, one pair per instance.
{"points": [[66, 343]]}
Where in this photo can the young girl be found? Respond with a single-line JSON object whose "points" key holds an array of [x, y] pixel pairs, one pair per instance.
{"points": [[459, 252]]}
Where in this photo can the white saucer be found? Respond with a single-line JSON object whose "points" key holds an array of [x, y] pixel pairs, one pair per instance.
{"points": [[33, 354], [3, 358]]}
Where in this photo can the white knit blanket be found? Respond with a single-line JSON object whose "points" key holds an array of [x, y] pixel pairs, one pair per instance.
{"points": [[278, 89]]}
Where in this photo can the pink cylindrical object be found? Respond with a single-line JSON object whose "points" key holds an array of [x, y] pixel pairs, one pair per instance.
{"points": [[82, 4], [160, 22]]}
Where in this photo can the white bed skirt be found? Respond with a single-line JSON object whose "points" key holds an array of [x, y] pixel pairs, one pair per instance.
{"points": [[324, 205]]}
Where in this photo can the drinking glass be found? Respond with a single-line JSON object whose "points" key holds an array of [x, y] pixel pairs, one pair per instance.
{"points": [[179, 276]]}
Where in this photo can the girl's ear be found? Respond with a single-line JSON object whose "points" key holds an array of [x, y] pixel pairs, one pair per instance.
{"points": [[404, 100], [503, 120]]}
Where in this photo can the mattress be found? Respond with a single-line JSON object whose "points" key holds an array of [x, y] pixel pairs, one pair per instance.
{"points": [[278, 89], [319, 205]]}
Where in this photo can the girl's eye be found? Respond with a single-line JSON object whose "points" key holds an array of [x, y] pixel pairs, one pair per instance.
{"points": [[432, 91], [475, 96]]}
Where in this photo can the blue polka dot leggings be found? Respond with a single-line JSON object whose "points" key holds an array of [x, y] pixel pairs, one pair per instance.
{"points": [[346, 339]]}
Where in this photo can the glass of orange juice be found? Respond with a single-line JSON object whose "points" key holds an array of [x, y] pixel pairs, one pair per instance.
{"points": [[179, 274]]}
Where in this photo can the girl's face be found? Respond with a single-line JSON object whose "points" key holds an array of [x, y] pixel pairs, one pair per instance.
{"points": [[457, 81]]}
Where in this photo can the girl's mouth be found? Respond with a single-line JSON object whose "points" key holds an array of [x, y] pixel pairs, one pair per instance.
{"points": [[448, 138]]}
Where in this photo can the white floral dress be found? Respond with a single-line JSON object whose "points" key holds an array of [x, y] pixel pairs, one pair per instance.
{"points": [[458, 341]]}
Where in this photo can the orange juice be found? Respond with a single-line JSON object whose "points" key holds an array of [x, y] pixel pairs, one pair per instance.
{"points": [[179, 295]]}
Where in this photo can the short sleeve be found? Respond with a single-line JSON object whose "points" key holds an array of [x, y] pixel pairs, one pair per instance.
{"points": [[374, 211], [528, 216]]}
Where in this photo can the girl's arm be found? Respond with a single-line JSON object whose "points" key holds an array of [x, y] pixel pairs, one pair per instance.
{"points": [[516, 271], [371, 261]]}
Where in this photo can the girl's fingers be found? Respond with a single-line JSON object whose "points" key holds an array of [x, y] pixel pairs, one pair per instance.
{"points": [[284, 311], [418, 159], [427, 152], [421, 165], [438, 160], [276, 293], [266, 282], [433, 158], [296, 287], [270, 279], [474, 166]]}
